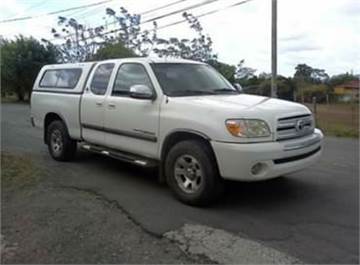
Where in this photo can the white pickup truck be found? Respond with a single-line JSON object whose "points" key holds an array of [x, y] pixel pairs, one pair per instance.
{"points": [[179, 115]]}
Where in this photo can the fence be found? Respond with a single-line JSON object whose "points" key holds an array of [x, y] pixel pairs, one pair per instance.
{"points": [[332, 114], [339, 119]]}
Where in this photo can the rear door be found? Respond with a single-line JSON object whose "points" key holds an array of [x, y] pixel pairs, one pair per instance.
{"points": [[93, 104]]}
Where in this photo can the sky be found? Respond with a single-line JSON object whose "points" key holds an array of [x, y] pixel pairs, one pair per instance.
{"points": [[324, 34]]}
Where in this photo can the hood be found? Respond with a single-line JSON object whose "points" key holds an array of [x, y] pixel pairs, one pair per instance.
{"points": [[208, 114], [244, 106]]}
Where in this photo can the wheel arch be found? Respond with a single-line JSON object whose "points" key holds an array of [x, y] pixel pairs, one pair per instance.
{"points": [[49, 118], [177, 136]]}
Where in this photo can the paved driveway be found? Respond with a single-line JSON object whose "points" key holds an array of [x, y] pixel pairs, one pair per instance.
{"points": [[312, 214]]}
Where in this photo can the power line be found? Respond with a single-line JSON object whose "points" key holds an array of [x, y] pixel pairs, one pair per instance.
{"points": [[168, 14], [29, 8], [85, 13], [36, 5], [142, 13], [182, 21], [54, 12], [204, 14], [162, 7], [206, 2]]}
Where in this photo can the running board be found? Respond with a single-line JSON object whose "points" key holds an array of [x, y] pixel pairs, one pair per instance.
{"points": [[123, 156]]}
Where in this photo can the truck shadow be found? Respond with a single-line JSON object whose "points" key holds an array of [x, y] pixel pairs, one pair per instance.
{"points": [[269, 193], [125, 169]]}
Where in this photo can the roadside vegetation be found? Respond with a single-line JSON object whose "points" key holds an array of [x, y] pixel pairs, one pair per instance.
{"points": [[17, 172], [23, 57], [340, 120]]}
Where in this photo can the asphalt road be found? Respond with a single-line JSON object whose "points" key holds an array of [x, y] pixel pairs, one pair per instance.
{"points": [[312, 215]]}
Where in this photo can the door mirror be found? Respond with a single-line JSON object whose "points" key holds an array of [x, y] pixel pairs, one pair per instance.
{"points": [[238, 87], [141, 92]]}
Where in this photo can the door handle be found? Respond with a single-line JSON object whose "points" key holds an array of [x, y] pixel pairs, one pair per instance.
{"points": [[99, 104], [111, 106]]}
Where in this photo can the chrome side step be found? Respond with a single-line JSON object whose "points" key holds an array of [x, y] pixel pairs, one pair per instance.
{"points": [[120, 155]]}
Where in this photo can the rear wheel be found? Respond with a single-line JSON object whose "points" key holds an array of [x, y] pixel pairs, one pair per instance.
{"points": [[61, 146], [192, 173]]}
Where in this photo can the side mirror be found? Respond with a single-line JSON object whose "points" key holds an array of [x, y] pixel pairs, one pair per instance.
{"points": [[141, 92], [238, 87]]}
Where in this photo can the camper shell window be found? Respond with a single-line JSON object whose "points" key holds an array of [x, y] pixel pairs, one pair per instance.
{"points": [[61, 78]]}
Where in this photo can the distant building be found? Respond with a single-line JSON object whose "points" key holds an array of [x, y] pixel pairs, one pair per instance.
{"points": [[348, 91]]}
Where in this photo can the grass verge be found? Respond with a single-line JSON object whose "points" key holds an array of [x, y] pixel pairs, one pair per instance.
{"points": [[339, 130], [18, 171], [341, 120]]}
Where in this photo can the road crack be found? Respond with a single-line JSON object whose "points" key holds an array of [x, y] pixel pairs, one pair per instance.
{"points": [[114, 203]]}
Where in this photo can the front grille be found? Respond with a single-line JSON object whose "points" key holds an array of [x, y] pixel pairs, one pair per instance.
{"points": [[294, 127]]}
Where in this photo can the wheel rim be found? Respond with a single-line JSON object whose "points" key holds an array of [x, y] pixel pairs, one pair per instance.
{"points": [[188, 173], [56, 142]]}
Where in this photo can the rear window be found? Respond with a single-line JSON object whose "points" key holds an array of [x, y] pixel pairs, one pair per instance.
{"points": [[61, 78], [101, 78]]}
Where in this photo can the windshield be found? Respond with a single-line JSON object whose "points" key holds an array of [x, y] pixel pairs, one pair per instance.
{"points": [[185, 79]]}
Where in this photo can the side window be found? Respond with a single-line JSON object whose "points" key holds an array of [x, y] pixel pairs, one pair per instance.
{"points": [[61, 78], [101, 77], [130, 74]]}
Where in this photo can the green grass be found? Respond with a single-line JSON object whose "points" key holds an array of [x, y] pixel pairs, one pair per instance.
{"points": [[9, 99], [338, 130], [18, 171], [340, 120]]}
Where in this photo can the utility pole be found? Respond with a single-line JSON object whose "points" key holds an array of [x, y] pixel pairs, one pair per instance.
{"points": [[273, 48]]}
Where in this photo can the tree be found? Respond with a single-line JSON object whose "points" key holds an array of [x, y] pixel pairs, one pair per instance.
{"points": [[315, 90], [21, 61], [306, 75], [198, 49], [242, 72], [309, 74], [129, 32], [227, 70], [261, 85], [112, 51], [340, 79], [79, 42]]}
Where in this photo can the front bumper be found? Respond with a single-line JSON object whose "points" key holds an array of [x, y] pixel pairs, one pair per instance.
{"points": [[236, 161]]}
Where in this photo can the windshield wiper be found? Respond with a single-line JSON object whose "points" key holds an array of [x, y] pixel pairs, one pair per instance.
{"points": [[226, 90], [194, 92]]}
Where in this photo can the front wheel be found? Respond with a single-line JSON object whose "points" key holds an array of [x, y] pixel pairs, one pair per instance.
{"points": [[192, 173], [61, 146]]}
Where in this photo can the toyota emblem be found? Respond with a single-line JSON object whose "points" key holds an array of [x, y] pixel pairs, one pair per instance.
{"points": [[300, 125]]}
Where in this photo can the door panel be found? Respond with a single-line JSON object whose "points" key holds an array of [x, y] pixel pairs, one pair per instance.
{"points": [[131, 124], [93, 104]]}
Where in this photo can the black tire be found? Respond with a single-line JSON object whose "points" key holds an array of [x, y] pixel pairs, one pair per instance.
{"points": [[210, 186], [57, 135]]}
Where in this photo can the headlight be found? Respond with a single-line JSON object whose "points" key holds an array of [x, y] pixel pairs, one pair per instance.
{"points": [[248, 128]]}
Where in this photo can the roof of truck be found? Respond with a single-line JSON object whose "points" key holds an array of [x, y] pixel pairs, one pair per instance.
{"points": [[154, 60], [132, 59]]}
